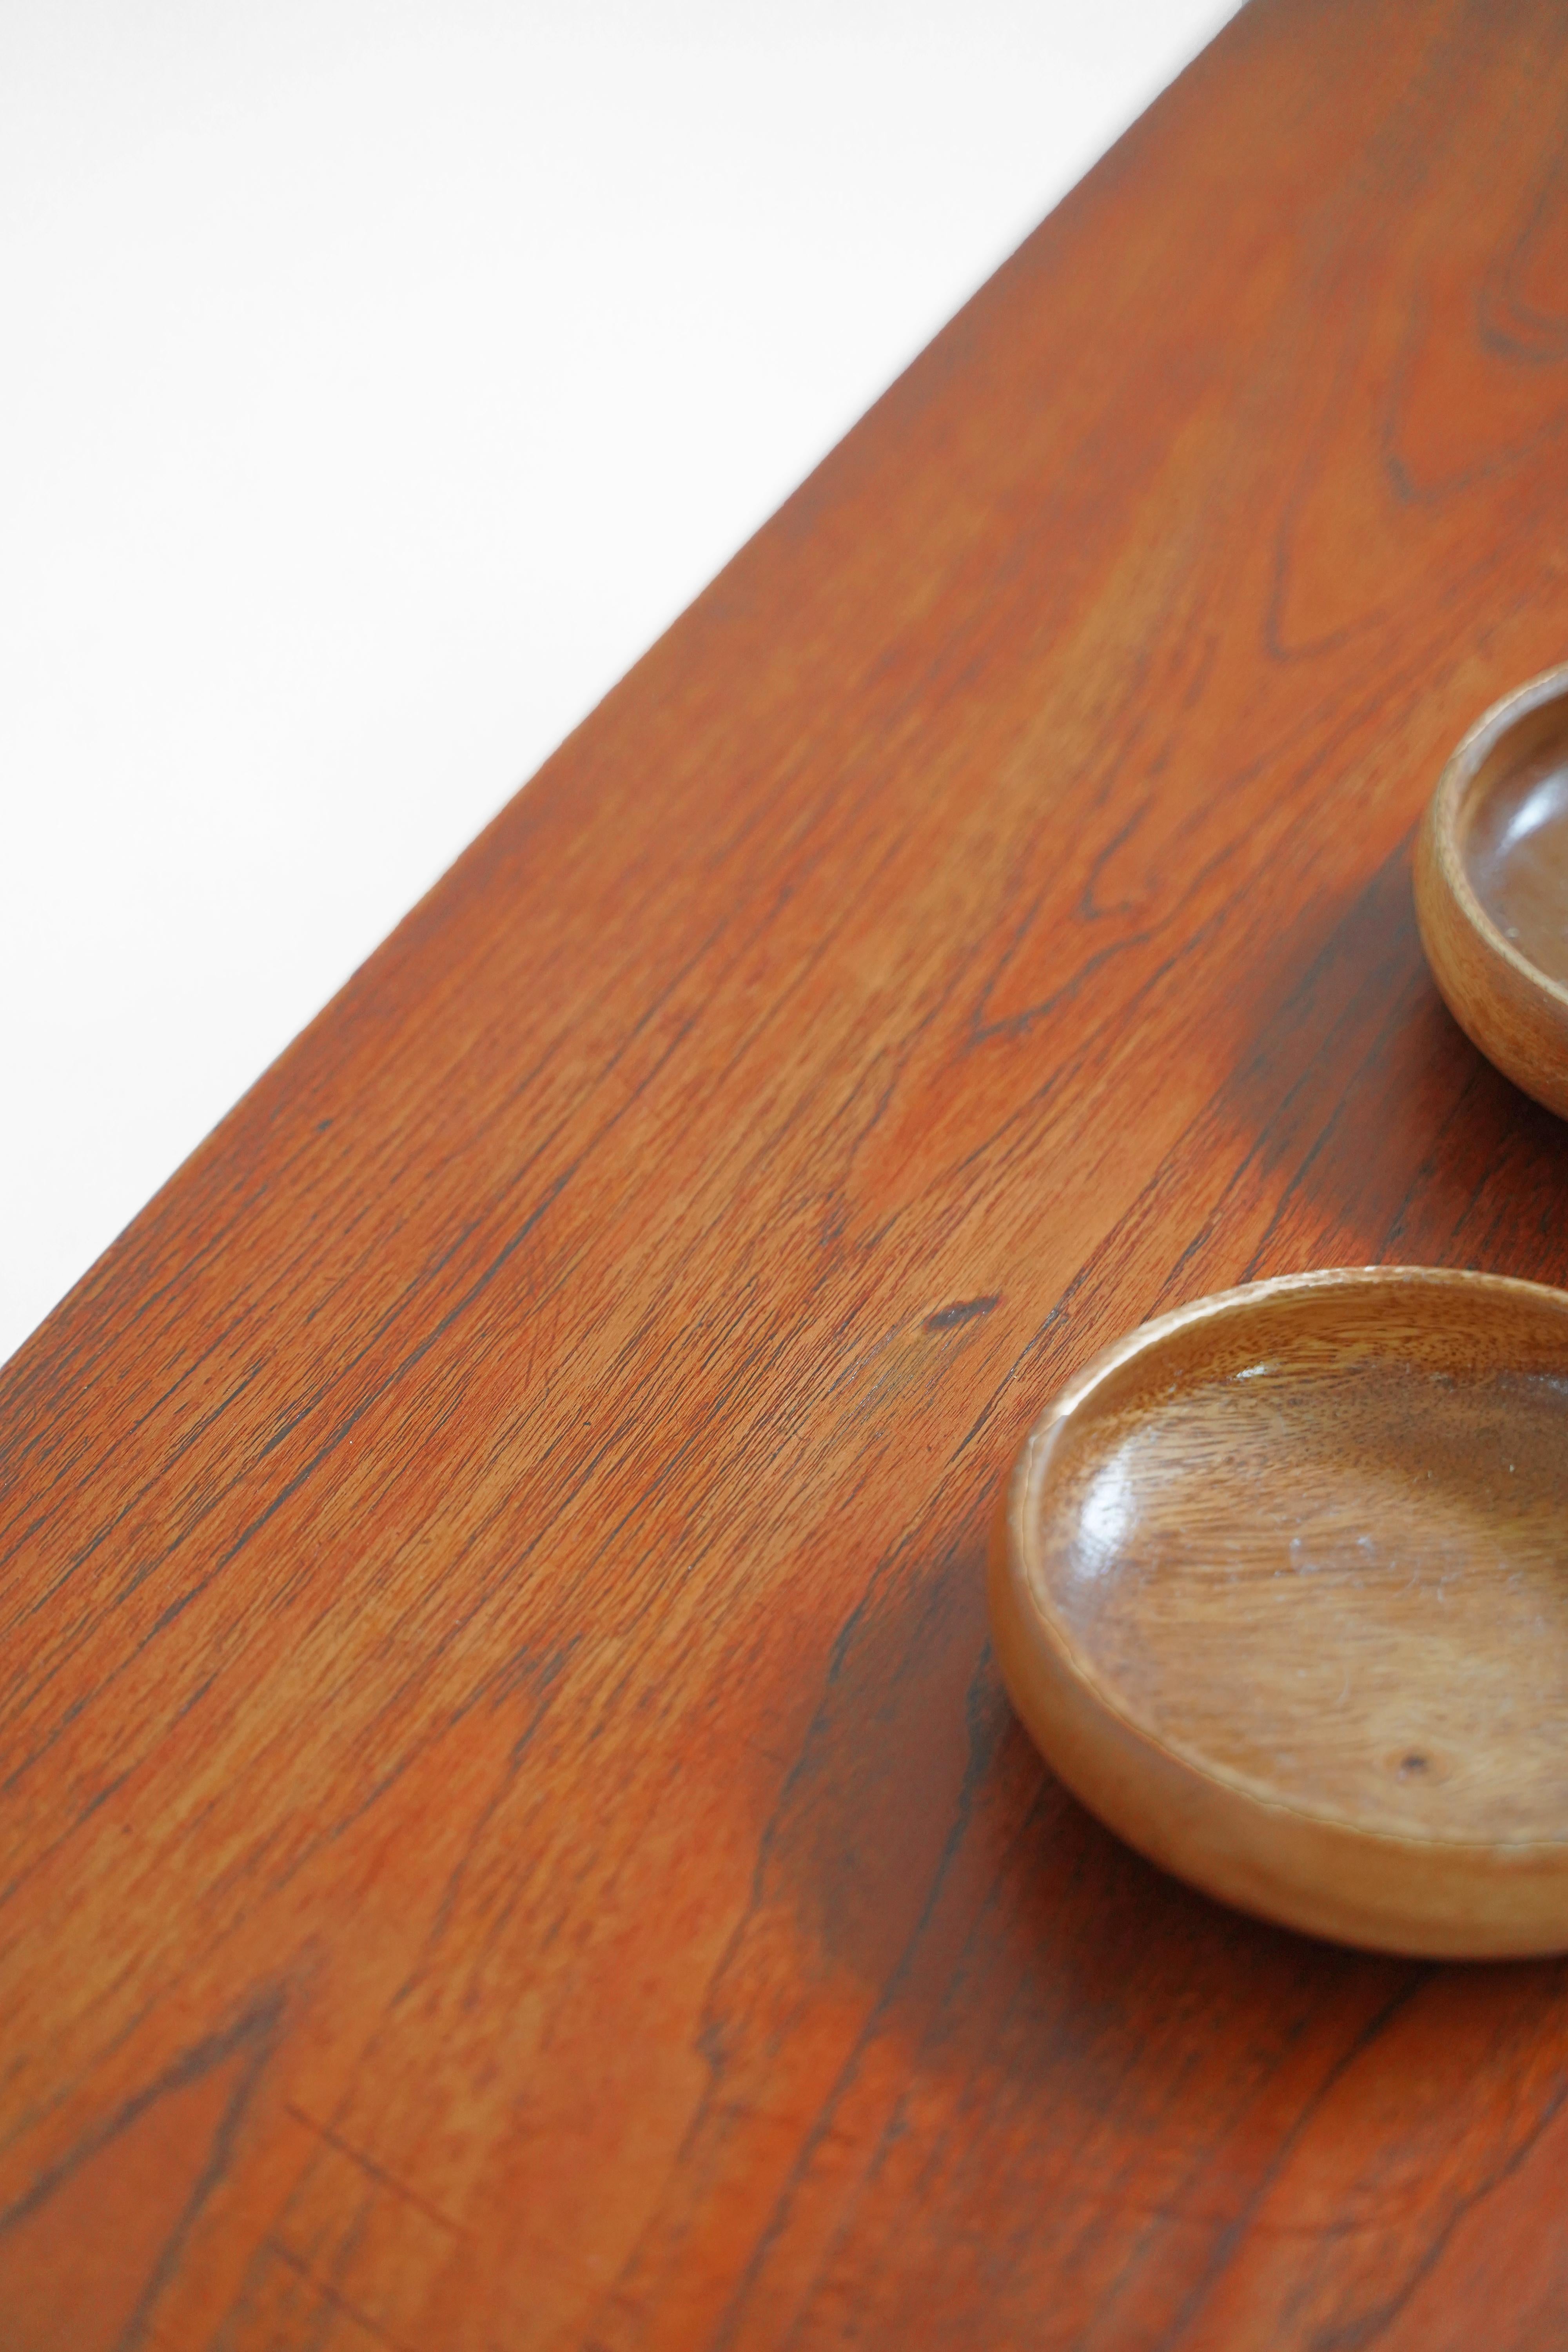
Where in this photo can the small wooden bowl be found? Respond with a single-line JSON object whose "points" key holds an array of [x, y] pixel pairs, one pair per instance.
{"points": [[1280, 1587], [1491, 887]]}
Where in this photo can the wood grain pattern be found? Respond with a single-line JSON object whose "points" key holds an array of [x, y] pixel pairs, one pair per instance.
{"points": [[1280, 1586], [513, 1833], [1491, 887]]}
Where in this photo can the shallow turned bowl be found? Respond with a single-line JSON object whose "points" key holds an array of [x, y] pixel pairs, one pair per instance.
{"points": [[1491, 887], [1279, 1588]]}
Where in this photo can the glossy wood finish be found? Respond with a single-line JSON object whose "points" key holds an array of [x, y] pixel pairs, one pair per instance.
{"points": [[514, 1834], [1281, 1590], [1491, 887]]}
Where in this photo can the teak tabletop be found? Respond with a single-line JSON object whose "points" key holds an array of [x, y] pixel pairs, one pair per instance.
{"points": [[513, 1833]]}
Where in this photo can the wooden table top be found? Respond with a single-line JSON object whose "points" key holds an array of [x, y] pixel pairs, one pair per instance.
{"points": [[513, 1837]]}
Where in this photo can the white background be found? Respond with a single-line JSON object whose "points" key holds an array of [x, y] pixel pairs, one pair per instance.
{"points": [[379, 379]]}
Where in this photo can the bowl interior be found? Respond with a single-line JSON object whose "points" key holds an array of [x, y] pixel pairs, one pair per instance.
{"points": [[1512, 835], [1321, 1548]]}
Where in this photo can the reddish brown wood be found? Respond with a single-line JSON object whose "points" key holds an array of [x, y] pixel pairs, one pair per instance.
{"points": [[513, 1836]]}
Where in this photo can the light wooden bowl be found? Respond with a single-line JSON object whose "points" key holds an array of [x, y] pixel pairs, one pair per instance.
{"points": [[1280, 1587], [1491, 887]]}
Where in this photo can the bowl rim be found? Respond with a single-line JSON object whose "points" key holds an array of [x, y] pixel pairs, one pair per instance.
{"points": [[1458, 773], [1214, 1306]]}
